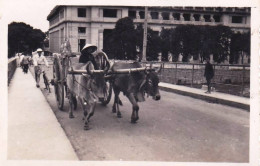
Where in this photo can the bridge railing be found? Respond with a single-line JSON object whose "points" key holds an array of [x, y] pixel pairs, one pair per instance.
{"points": [[232, 79], [12, 65]]}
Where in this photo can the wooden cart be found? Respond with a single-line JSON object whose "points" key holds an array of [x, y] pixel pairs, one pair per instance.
{"points": [[62, 67]]}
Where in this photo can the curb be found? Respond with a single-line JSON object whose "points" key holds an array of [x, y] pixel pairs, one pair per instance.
{"points": [[208, 98]]}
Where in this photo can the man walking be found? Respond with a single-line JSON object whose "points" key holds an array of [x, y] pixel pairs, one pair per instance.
{"points": [[209, 74], [38, 61]]}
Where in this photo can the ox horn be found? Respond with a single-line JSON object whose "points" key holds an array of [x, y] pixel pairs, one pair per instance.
{"points": [[106, 58], [142, 84], [88, 70], [159, 70]]}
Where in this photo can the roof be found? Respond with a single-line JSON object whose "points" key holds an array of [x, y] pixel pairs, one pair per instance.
{"points": [[54, 11]]}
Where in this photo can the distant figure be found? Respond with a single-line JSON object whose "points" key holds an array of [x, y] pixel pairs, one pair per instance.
{"points": [[38, 61], [25, 62], [209, 74], [21, 60], [87, 54]]}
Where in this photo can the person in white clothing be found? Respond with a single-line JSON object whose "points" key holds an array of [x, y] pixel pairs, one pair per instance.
{"points": [[38, 61]]}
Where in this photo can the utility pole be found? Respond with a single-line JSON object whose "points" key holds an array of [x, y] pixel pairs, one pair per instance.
{"points": [[145, 33]]}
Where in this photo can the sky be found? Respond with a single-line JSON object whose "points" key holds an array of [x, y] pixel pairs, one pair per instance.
{"points": [[32, 12]]}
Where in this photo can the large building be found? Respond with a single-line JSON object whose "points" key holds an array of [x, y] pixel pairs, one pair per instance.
{"points": [[89, 24]]}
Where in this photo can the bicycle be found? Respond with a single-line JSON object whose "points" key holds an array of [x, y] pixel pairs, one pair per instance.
{"points": [[46, 81]]}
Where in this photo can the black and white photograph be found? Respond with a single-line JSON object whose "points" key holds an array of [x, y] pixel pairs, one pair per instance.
{"points": [[130, 83]]}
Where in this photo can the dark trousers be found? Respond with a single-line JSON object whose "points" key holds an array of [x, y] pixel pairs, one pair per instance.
{"points": [[25, 68], [209, 84]]}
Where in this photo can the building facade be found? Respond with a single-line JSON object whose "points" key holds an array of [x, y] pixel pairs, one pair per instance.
{"points": [[89, 24]]}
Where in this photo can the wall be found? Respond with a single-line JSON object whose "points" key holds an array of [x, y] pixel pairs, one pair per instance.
{"points": [[183, 74]]}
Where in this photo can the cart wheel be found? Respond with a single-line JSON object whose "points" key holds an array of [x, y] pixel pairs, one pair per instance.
{"points": [[107, 95], [58, 84]]}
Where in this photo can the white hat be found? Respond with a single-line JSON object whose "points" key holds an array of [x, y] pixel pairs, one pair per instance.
{"points": [[87, 46], [39, 50]]}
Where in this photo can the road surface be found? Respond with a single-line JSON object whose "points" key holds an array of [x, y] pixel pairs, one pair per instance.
{"points": [[176, 128]]}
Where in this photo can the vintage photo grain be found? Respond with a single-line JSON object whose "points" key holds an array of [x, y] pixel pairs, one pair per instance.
{"points": [[121, 83]]}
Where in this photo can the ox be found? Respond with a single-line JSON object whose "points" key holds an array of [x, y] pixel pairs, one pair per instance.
{"points": [[87, 88], [134, 85]]}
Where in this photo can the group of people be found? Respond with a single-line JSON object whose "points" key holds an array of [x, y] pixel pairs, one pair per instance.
{"points": [[25, 61], [38, 60]]}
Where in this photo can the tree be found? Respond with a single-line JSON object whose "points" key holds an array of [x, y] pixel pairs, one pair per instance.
{"points": [[240, 45], [23, 38], [166, 40], [153, 43], [122, 40]]}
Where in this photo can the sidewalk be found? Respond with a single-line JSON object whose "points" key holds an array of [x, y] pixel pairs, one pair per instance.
{"points": [[214, 97], [33, 130]]}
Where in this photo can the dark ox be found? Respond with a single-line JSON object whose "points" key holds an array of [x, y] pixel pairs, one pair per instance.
{"points": [[87, 88], [134, 85]]}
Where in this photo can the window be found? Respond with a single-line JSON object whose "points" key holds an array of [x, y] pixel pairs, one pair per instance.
{"points": [[189, 8], [176, 16], [219, 9], [216, 18], [141, 14], [237, 19], [209, 8], [62, 35], [110, 13], [81, 29], [82, 43], [81, 12], [207, 18], [61, 14], [199, 8], [165, 16], [186, 17], [154, 15], [229, 9], [132, 14], [196, 17]]}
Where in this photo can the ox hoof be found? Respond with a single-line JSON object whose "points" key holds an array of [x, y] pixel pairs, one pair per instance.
{"points": [[133, 121], [136, 119], [119, 115], [86, 127], [113, 110], [71, 116]]}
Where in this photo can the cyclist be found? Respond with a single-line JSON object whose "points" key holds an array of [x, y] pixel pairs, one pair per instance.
{"points": [[38, 61]]}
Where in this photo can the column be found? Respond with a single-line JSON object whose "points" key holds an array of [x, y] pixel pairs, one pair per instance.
{"points": [[149, 17], [100, 38], [212, 18], [202, 19], [181, 17], [160, 16], [192, 17], [171, 17], [137, 15]]}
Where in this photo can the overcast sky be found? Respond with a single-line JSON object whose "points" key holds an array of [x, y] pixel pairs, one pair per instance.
{"points": [[32, 12]]}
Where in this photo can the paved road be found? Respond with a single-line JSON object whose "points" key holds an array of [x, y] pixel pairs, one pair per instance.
{"points": [[176, 128]]}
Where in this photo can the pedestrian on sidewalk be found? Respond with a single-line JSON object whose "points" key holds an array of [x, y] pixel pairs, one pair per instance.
{"points": [[25, 63], [39, 60], [209, 74]]}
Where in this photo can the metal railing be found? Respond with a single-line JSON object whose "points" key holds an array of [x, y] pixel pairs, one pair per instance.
{"points": [[12, 65], [232, 79]]}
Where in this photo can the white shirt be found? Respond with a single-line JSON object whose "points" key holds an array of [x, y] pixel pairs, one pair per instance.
{"points": [[39, 60]]}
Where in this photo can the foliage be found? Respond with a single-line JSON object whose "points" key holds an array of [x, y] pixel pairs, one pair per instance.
{"points": [[122, 40], [153, 43], [240, 44], [23, 38], [126, 42], [166, 41]]}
